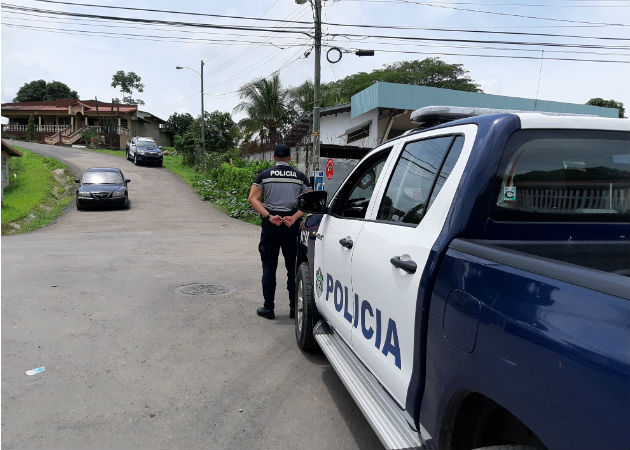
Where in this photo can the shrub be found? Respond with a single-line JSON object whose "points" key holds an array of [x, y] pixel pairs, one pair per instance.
{"points": [[228, 186]]}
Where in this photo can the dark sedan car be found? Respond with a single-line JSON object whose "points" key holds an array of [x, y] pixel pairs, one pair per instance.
{"points": [[102, 186], [144, 150]]}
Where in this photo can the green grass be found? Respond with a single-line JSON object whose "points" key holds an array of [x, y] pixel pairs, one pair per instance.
{"points": [[120, 153], [174, 163], [35, 197]]}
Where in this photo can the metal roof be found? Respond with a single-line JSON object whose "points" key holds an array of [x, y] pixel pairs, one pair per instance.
{"points": [[405, 96]]}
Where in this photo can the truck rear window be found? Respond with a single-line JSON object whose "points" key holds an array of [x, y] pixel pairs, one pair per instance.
{"points": [[565, 175]]}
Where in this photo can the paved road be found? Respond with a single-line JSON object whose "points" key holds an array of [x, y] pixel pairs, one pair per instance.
{"points": [[131, 363]]}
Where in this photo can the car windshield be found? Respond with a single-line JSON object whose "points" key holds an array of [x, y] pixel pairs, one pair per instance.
{"points": [[102, 178], [146, 143]]}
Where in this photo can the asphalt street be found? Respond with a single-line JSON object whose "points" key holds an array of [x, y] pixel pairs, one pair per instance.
{"points": [[133, 359]]}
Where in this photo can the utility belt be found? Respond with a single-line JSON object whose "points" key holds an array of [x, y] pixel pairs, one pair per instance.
{"points": [[283, 213]]}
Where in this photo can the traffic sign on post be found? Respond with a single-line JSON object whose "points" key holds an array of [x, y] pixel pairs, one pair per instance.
{"points": [[318, 180], [330, 168]]}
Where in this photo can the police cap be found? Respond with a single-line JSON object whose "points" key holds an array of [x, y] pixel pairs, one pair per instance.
{"points": [[282, 150]]}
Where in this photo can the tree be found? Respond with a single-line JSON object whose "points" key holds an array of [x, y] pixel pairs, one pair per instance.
{"points": [[220, 135], [39, 90], [427, 72], [30, 128], [128, 82], [179, 123], [57, 89], [266, 105], [608, 104]]}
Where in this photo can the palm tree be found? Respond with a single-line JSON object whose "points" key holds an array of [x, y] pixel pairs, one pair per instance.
{"points": [[265, 103]]}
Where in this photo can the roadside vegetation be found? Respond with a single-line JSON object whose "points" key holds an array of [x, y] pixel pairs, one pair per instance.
{"points": [[40, 188]]}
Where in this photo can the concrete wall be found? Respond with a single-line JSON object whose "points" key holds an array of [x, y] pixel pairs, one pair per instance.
{"points": [[334, 126], [151, 130]]}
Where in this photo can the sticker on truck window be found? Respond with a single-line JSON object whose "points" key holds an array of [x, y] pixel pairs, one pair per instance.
{"points": [[509, 193]]}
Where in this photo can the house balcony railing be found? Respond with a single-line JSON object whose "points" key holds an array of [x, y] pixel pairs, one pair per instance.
{"points": [[39, 128], [57, 128]]}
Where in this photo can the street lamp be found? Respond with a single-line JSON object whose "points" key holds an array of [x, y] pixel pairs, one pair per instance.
{"points": [[203, 140]]}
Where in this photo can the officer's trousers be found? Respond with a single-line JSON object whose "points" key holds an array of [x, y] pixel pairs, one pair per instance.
{"points": [[272, 239]]}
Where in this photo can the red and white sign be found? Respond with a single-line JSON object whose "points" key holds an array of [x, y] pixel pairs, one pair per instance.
{"points": [[330, 168]]}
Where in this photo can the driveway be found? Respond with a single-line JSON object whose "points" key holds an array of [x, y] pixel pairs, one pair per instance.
{"points": [[103, 300]]}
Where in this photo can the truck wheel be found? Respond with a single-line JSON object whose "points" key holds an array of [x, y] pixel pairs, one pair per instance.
{"points": [[306, 312]]}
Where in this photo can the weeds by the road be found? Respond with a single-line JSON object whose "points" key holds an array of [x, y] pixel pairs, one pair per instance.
{"points": [[228, 185], [40, 188]]}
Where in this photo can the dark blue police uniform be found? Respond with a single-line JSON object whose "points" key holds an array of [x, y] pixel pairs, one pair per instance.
{"points": [[281, 186]]}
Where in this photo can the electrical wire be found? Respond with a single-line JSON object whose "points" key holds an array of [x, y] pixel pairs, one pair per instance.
{"points": [[393, 27], [522, 16]]}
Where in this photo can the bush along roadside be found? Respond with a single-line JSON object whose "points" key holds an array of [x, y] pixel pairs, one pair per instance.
{"points": [[228, 185], [40, 188]]}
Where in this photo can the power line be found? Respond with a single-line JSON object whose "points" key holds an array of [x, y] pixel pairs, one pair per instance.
{"points": [[349, 35], [285, 30], [541, 5], [71, 21], [503, 56], [394, 27], [494, 12], [156, 38], [238, 42]]}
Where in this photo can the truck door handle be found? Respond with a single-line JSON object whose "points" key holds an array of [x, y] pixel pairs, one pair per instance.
{"points": [[408, 266], [346, 242]]}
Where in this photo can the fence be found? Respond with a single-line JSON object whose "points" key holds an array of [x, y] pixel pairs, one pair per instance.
{"points": [[610, 197]]}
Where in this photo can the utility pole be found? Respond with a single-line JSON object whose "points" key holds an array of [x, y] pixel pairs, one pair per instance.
{"points": [[316, 84], [203, 120], [203, 140]]}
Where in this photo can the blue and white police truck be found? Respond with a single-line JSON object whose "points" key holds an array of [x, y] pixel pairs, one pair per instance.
{"points": [[469, 282]]}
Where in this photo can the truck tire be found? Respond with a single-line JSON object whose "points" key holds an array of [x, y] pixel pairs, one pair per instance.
{"points": [[306, 312]]}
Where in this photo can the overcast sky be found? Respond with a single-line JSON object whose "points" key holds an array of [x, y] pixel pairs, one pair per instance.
{"points": [[84, 52]]}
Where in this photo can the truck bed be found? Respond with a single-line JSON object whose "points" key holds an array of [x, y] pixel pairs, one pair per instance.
{"points": [[599, 265]]}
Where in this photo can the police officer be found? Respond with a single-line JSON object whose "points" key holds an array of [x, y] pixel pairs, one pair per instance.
{"points": [[278, 187]]}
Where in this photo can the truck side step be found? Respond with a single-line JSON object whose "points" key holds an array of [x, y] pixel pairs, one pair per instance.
{"points": [[380, 410]]}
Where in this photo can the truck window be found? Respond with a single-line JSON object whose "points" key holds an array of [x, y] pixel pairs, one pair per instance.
{"points": [[447, 167], [412, 181], [354, 196], [565, 175]]}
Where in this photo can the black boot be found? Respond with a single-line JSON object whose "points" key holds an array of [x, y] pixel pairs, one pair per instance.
{"points": [[266, 313]]}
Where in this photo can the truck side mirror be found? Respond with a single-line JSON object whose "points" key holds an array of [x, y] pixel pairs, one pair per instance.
{"points": [[313, 202]]}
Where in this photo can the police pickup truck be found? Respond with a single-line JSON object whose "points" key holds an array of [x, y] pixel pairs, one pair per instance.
{"points": [[469, 283]]}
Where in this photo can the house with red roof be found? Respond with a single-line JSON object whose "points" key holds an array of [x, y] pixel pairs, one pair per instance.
{"points": [[62, 121]]}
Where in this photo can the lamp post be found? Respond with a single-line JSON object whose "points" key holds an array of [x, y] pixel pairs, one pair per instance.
{"points": [[203, 140]]}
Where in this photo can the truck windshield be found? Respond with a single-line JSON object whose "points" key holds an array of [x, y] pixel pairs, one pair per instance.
{"points": [[565, 175]]}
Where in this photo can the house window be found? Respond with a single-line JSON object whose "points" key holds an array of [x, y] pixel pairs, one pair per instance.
{"points": [[360, 133], [124, 123]]}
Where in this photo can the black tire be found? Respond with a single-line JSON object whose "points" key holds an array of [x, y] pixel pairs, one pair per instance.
{"points": [[135, 159], [127, 154], [79, 207], [305, 310], [126, 204]]}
